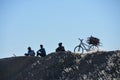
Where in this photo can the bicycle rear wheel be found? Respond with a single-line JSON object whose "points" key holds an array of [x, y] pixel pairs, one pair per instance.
{"points": [[94, 48], [78, 49]]}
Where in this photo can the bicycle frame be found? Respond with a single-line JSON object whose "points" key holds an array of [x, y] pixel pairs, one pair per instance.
{"points": [[84, 46]]}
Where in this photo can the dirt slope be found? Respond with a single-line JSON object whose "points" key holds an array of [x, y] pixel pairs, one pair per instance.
{"points": [[63, 66], [10, 67]]}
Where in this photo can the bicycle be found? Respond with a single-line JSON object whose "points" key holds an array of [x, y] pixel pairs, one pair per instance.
{"points": [[84, 47]]}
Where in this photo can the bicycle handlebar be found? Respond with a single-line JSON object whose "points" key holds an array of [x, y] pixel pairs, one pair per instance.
{"points": [[80, 39]]}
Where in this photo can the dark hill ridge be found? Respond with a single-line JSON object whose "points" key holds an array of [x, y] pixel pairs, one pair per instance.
{"points": [[10, 67], [63, 66]]}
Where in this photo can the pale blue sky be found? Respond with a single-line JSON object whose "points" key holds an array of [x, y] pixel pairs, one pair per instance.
{"points": [[26, 23]]}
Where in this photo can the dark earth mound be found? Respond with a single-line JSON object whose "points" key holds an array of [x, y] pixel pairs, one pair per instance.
{"points": [[63, 66]]}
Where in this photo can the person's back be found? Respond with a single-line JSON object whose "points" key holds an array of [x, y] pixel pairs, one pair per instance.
{"points": [[60, 48], [31, 53]]}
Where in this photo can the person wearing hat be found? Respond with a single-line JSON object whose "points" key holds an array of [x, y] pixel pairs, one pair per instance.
{"points": [[60, 47]]}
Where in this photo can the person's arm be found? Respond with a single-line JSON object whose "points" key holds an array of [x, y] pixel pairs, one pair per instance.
{"points": [[33, 51], [56, 49], [63, 49], [38, 51]]}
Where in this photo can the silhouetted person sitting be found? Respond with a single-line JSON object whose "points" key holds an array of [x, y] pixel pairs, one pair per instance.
{"points": [[30, 52], [41, 52], [60, 48]]}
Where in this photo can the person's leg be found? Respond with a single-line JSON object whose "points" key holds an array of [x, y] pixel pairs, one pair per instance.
{"points": [[38, 54], [26, 54], [41, 55]]}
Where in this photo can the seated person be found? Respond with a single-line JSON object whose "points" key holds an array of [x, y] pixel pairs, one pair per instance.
{"points": [[41, 52], [30, 52], [60, 48]]}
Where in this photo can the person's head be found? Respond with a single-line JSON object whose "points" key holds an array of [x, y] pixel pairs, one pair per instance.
{"points": [[41, 46], [29, 48], [60, 44]]}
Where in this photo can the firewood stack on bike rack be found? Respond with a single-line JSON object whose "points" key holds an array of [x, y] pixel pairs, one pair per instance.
{"points": [[93, 41]]}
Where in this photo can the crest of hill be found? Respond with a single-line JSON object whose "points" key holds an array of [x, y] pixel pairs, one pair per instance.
{"points": [[63, 66]]}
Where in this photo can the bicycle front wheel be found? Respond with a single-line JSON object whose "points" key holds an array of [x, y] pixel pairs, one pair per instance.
{"points": [[94, 48], [78, 49]]}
